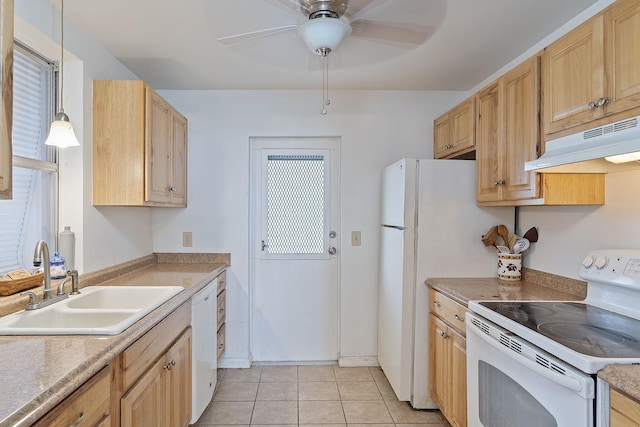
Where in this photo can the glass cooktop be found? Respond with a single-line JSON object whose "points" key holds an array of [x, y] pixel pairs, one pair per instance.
{"points": [[584, 328]]}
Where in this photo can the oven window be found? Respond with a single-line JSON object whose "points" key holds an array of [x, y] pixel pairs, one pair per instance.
{"points": [[505, 403]]}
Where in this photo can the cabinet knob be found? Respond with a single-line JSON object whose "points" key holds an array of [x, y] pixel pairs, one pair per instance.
{"points": [[602, 101], [591, 105], [436, 303], [220, 346], [444, 335], [173, 189], [499, 182], [459, 318]]}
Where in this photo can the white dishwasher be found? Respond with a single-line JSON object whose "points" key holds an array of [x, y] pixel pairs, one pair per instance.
{"points": [[204, 362]]}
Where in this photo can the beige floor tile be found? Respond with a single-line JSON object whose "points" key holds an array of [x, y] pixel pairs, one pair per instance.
{"points": [[387, 391], [324, 425], [371, 425], [358, 390], [241, 375], [315, 412], [318, 390], [236, 392], [275, 412], [227, 413], [279, 374], [377, 373], [366, 412], [403, 413], [278, 391], [352, 374], [438, 424], [316, 373]]}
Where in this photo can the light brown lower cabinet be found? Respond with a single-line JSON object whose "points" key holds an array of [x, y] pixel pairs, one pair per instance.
{"points": [[624, 411], [448, 358], [87, 406], [162, 396]]}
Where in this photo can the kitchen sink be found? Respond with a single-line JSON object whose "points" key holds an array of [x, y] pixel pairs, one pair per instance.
{"points": [[98, 310]]}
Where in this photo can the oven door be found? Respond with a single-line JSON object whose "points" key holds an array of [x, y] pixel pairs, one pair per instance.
{"points": [[512, 383]]}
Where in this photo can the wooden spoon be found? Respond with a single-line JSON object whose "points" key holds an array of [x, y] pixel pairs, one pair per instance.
{"points": [[503, 231], [531, 235], [490, 238]]}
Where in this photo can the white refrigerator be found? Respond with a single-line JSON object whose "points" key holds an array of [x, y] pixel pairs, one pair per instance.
{"points": [[431, 227]]}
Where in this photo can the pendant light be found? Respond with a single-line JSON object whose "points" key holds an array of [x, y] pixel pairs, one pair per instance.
{"points": [[322, 34], [61, 133]]}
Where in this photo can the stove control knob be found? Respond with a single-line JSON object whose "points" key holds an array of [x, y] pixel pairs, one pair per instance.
{"points": [[601, 262], [588, 261]]}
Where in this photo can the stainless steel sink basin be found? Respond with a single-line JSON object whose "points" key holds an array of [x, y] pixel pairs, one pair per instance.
{"points": [[98, 310]]}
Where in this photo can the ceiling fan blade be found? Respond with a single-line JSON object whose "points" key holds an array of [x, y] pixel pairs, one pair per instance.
{"points": [[353, 7], [402, 33], [254, 35]]}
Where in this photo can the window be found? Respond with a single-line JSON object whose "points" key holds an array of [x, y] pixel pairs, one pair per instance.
{"points": [[31, 214]]}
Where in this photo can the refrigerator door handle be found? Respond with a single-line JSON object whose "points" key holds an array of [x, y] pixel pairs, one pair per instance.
{"points": [[396, 227]]}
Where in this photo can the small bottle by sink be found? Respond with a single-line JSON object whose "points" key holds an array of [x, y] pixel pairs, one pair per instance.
{"points": [[58, 269]]}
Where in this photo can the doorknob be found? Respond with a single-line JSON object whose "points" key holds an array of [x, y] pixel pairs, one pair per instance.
{"points": [[332, 250]]}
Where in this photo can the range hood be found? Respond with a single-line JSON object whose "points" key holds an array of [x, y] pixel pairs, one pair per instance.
{"points": [[585, 152]]}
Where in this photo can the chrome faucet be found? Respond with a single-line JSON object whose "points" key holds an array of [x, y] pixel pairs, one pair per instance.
{"points": [[42, 251]]}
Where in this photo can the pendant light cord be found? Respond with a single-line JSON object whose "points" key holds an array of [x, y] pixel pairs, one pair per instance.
{"points": [[61, 56]]}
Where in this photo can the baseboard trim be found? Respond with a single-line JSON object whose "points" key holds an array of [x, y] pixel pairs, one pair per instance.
{"points": [[234, 362], [354, 361]]}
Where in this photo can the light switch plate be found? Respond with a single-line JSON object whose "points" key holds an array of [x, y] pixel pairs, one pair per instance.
{"points": [[356, 238], [187, 239]]}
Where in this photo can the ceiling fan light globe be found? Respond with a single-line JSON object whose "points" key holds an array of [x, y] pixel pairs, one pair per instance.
{"points": [[322, 34]]}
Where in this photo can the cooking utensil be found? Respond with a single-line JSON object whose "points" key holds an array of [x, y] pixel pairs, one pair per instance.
{"points": [[512, 240], [531, 235], [503, 249], [521, 245], [490, 238], [503, 231]]}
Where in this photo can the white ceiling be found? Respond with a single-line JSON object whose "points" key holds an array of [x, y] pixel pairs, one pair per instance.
{"points": [[172, 44]]}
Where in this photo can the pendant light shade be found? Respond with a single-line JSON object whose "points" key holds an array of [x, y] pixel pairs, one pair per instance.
{"points": [[61, 133], [322, 34]]}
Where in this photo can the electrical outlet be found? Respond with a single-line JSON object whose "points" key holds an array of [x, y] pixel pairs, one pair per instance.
{"points": [[187, 239], [356, 238]]}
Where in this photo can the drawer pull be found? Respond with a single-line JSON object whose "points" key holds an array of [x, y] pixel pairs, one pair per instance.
{"points": [[444, 335], [459, 318], [77, 422], [220, 346], [437, 304]]}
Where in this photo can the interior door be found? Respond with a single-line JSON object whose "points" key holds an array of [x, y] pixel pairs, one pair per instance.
{"points": [[295, 249]]}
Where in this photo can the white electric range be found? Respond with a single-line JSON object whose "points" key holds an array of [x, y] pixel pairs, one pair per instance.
{"points": [[533, 363]]}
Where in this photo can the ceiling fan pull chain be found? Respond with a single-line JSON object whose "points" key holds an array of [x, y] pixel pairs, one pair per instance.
{"points": [[325, 84]]}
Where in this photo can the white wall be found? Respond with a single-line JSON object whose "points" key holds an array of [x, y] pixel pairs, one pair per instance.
{"points": [[377, 128], [567, 233], [104, 236]]}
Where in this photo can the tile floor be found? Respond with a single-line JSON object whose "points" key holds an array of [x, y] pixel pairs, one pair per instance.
{"points": [[311, 396]]}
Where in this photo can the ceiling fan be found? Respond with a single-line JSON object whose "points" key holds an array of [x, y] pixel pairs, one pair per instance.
{"points": [[325, 24]]}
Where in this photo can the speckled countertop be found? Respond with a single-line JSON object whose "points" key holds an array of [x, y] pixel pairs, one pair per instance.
{"points": [[536, 286], [37, 372]]}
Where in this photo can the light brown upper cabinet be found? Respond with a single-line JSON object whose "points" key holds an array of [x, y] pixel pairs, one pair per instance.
{"points": [[139, 147], [590, 76], [454, 131], [6, 96], [508, 135]]}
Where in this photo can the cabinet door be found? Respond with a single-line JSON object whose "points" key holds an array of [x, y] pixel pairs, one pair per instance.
{"points": [[179, 381], [6, 96], [144, 404], [158, 149], [488, 140], [441, 137], [178, 184], [625, 412], [622, 59], [438, 364], [574, 77], [458, 370], [521, 123], [462, 126]]}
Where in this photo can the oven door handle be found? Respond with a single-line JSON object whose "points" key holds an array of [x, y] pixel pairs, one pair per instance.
{"points": [[566, 381]]}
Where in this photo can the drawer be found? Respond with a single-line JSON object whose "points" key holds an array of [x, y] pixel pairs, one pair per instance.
{"points": [[222, 282], [147, 349], [448, 310], [222, 300], [221, 341], [88, 405]]}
